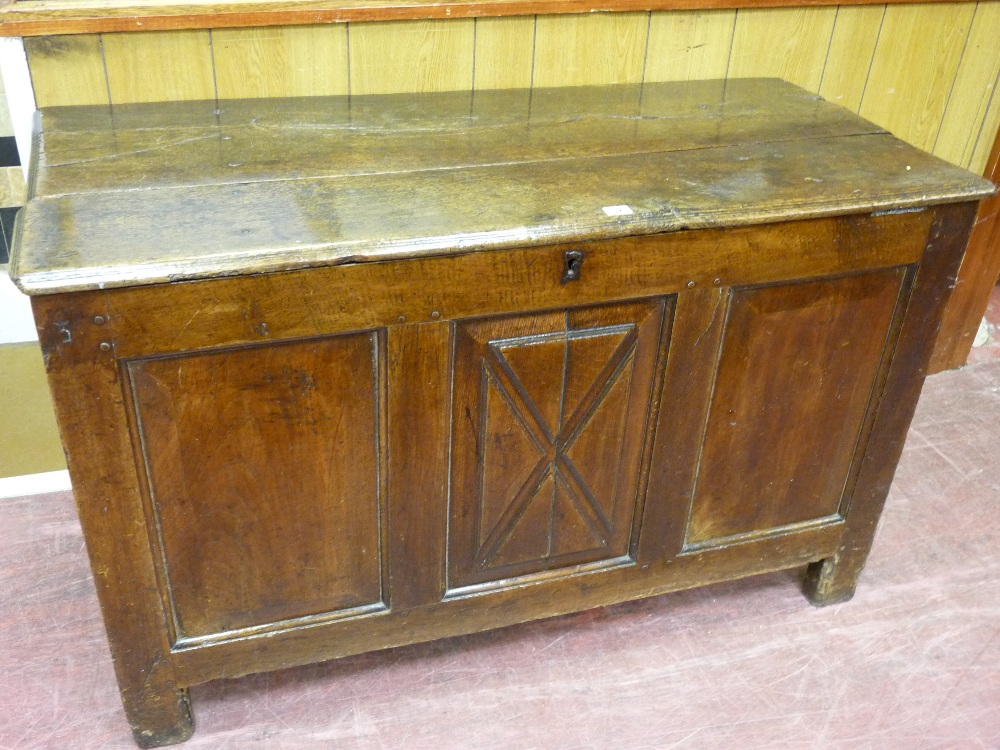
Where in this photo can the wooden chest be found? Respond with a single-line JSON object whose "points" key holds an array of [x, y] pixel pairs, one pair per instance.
{"points": [[341, 374]]}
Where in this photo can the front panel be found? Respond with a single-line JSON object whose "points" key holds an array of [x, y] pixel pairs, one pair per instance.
{"points": [[263, 476], [549, 424], [796, 373], [511, 458]]}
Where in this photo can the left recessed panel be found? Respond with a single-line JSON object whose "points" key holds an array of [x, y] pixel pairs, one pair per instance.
{"points": [[264, 478]]}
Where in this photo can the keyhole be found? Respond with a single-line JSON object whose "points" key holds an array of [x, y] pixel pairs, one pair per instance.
{"points": [[572, 263]]}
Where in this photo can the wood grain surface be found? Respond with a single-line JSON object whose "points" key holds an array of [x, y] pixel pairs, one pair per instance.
{"points": [[983, 157], [689, 46], [239, 314], [550, 415], [200, 143], [386, 58], [787, 43], [504, 170], [190, 77], [283, 61], [590, 50], [848, 62], [67, 70], [834, 579], [681, 44], [308, 302], [795, 379], [504, 51], [905, 95], [418, 378], [264, 470], [973, 89], [94, 421]]}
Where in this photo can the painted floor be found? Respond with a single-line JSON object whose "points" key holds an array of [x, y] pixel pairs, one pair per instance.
{"points": [[990, 349], [913, 662]]}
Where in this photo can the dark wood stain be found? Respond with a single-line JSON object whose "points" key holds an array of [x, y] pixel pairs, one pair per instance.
{"points": [[548, 427], [795, 377], [385, 414], [977, 276], [228, 438]]}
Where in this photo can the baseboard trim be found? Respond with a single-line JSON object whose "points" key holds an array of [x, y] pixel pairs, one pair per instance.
{"points": [[34, 484]]}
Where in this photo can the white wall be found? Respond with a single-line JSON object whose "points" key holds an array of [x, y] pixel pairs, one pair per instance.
{"points": [[16, 323], [19, 94]]}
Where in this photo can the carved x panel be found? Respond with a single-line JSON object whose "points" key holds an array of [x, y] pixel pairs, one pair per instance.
{"points": [[550, 417]]}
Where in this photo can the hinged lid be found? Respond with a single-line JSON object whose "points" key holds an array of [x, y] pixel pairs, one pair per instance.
{"points": [[148, 193]]}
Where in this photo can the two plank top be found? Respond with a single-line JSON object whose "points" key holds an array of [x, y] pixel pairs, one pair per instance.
{"points": [[148, 193]]}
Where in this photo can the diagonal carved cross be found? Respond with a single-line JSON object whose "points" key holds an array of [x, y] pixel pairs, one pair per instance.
{"points": [[552, 448]]}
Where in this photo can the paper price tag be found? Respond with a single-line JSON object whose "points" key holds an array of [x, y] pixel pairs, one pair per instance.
{"points": [[617, 210]]}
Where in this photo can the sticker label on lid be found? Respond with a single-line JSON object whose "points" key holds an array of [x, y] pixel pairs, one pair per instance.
{"points": [[617, 210]]}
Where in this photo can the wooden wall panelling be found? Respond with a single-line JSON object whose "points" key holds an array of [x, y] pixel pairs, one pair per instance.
{"points": [[411, 56], [981, 157], [600, 48], [159, 66], [280, 61], [789, 43], [504, 51], [855, 33], [67, 70], [905, 94], [973, 88], [689, 45]]}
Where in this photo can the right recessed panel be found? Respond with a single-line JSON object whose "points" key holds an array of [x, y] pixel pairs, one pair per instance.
{"points": [[796, 373]]}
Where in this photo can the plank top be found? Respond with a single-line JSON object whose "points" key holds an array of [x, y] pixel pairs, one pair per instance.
{"points": [[148, 193]]}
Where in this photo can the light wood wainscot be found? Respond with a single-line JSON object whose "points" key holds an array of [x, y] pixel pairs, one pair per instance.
{"points": [[341, 374]]}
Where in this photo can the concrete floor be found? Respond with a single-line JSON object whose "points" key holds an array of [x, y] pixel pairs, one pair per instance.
{"points": [[912, 662]]}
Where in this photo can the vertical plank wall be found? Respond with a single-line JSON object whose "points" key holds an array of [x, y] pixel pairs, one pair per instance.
{"points": [[926, 72]]}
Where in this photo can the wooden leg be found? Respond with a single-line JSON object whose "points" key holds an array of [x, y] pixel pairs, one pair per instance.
{"points": [[830, 581], [833, 579], [90, 402], [158, 718]]}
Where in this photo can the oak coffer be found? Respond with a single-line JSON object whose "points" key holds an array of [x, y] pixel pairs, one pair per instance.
{"points": [[338, 374]]}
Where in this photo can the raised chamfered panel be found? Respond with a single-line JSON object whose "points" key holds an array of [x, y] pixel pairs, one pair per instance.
{"points": [[549, 427], [263, 468], [796, 373]]}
